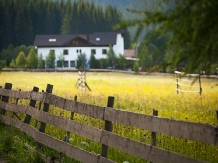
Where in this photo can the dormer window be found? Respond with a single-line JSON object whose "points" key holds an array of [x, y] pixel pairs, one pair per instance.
{"points": [[97, 39], [52, 40]]}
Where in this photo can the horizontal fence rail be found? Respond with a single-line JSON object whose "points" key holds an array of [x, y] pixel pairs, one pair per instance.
{"points": [[187, 130]]}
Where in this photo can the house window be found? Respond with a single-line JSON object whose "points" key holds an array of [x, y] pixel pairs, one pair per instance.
{"points": [[66, 64], [59, 63], [104, 51], [75, 42], [72, 64], [66, 52], [93, 51], [79, 51], [52, 40]]}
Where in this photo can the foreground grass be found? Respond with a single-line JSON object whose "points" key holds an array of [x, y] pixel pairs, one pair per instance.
{"points": [[12, 149], [137, 93]]}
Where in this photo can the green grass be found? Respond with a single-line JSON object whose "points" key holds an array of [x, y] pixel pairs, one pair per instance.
{"points": [[12, 149], [136, 93]]}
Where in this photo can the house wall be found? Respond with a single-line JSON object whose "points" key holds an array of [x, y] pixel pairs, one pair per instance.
{"points": [[119, 47], [73, 52]]}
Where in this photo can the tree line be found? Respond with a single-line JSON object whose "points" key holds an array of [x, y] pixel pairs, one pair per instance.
{"points": [[27, 58], [21, 20]]}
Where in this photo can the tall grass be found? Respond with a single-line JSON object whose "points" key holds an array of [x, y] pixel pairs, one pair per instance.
{"points": [[136, 93]]}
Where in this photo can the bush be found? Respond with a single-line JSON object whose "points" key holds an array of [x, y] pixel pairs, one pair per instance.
{"points": [[156, 68], [103, 63], [136, 67]]}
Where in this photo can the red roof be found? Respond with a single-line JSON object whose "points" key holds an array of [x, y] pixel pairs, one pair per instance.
{"points": [[129, 53]]}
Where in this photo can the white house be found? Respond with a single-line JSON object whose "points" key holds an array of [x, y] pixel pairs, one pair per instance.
{"points": [[70, 46]]}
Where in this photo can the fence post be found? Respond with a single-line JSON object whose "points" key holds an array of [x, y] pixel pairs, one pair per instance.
{"points": [[17, 99], [153, 134], [45, 109], [177, 86], [5, 98], [32, 103], [71, 117], [0, 95], [200, 84], [108, 127], [40, 103], [217, 116]]}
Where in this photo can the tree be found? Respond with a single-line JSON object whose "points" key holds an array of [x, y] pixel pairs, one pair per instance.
{"points": [[23, 27], [145, 58], [41, 62], [67, 20], [111, 57], [50, 60], [170, 67], [192, 25], [121, 62], [81, 61], [2, 64], [13, 64], [136, 67], [21, 60], [32, 59], [60, 61], [93, 62]]}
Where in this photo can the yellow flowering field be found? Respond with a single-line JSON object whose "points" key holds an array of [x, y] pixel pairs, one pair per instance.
{"points": [[136, 93]]}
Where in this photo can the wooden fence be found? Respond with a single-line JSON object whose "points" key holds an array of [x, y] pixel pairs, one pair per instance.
{"points": [[186, 85], [191, 131]]}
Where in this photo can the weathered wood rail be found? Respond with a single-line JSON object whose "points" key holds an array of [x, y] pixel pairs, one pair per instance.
{"points": [[188, 130]]}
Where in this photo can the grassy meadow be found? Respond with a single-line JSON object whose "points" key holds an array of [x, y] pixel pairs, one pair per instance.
{"points": [[136, 93]]}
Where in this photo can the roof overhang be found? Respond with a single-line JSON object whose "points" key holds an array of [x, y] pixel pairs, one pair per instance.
{"points": [[132, 59]]}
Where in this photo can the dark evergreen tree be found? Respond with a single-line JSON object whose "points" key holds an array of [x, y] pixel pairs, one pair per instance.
{"points": [[75, 19], [67, 20], [8, 23], [23, 28], [50, 18]]}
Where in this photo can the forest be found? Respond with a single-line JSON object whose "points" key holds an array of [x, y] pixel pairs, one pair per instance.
{"points": [[21, 20]]}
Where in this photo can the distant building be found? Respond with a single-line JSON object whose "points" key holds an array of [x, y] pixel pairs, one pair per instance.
{"points": [[70, 46], [130, 54]]}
